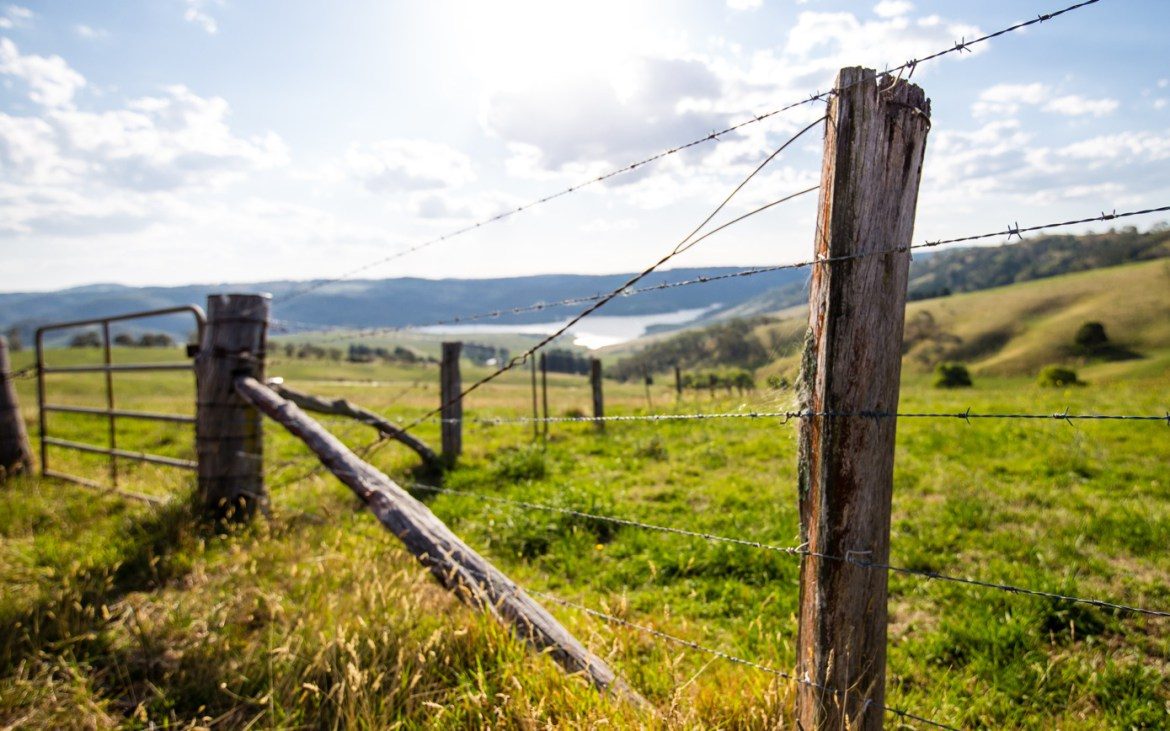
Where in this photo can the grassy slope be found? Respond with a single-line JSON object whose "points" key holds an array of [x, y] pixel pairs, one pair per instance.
{"points": [[114, 614]]}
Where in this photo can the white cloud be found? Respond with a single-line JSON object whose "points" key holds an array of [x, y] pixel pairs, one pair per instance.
{"points": [[15, 16], [51, 81], [1074, 105], [744, 4], [1128, 146], [572, 128], [408, 165], [197, 13], [892, 8], [90, 33], [66, 171], [1005, 100]]}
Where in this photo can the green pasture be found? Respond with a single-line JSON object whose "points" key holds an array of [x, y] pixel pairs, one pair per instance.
{"points": [[119, 614]]}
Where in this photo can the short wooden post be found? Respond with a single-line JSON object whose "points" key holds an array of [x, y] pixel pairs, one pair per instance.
{"points": [[451, 415], [677, 381], [229, 433], [15, 452], [544, 393], [595, 382], [875, 136]]}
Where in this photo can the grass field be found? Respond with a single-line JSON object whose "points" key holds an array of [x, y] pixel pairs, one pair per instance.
{"points": [[117, 614]]}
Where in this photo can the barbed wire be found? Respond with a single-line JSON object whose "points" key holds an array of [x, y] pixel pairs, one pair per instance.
{"points": [[787, 416], [1011, 231], [801, 550], [606, 518], [819, 96], [719, 654], [689, 241]]}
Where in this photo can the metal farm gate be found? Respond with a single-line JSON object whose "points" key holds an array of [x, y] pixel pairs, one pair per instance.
{"points": [[110, 412]]}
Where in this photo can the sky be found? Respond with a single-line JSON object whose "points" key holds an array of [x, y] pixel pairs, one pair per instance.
{"points": [[216, 141]]}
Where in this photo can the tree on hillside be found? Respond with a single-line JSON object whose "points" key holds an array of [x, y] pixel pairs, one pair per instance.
{"points": [[88, 339], [1091, 336]]}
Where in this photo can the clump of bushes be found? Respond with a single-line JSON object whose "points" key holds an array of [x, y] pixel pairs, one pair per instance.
{"points": [[951, 375], [728, 378], [1091, 337], [778, 383], [1055, 376]]}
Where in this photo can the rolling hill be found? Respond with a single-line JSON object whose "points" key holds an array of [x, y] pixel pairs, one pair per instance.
{"points": [[1008, 330]]}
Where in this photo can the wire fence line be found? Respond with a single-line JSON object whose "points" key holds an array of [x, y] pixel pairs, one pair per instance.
{"points": [[690, 644], [1011, 231], [786, 416], [908, 67], [849, 558]]}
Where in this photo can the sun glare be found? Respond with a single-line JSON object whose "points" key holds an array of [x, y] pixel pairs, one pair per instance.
{"points": [[522, 43]]}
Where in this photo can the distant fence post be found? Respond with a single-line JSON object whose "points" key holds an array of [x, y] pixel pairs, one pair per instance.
{"points": [[595, 382], [535, 410], [15, 452], [875, 136], [544, 393], [677, 381], [229, 434], [451, 415]]}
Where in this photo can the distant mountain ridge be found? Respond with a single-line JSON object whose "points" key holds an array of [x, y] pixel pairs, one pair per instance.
{"points": [[417, 301], [971, 269], [392, 302]]}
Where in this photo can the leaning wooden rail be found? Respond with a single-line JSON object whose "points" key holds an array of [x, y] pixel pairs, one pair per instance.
{"points": [[454, 563], [341, 407]]}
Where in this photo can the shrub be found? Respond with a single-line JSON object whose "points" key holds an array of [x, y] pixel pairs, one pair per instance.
{"points": [[1058, 376], [1091, 336], [778, 383], [951, 375]]}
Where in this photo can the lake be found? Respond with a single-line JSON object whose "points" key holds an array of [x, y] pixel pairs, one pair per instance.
{"points": [[595, 331]]}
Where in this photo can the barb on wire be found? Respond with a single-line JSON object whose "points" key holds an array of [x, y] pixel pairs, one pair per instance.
{"points": [[819, 96], [718, 653], [688, 241]]}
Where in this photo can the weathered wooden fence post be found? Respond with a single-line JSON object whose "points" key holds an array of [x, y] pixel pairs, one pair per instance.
{"points": [[544, 393], [677, 382], [15, 452], [595, 382], [875, 136], [451, 415], [229, 434]]}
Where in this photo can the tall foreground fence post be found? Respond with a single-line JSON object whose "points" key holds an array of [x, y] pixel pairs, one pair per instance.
{"points": [[875, 136], [228, 431], [595, 382], [451, 413], [15, 452]]}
